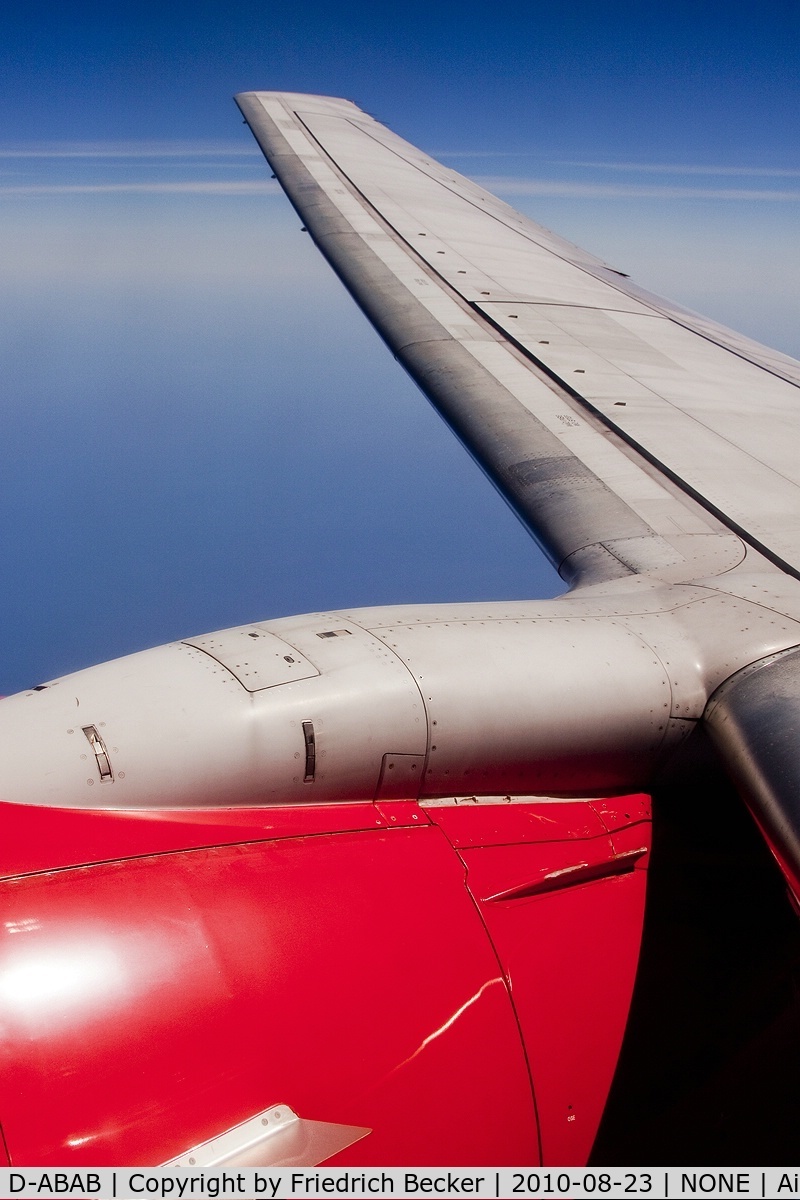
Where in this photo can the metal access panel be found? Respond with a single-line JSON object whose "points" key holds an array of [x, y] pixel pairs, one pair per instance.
{"points": [[256, 658]]}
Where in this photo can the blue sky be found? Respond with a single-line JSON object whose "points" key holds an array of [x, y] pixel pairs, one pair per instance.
{"points": [[200, 428]]}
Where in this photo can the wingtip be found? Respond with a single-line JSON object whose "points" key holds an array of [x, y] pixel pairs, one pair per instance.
{"points": [[293, 98]]}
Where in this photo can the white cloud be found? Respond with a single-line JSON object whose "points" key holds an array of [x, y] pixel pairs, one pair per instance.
{"points": [[507, 186], [686, 169], [225, 187], [129, 150], [763, 172]]}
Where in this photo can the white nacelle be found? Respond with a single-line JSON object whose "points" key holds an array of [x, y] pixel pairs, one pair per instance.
{"points": [[399, 703]]}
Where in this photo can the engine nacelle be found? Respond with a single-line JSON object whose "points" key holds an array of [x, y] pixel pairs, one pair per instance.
{"points": [[332, 905], [400, 703]]}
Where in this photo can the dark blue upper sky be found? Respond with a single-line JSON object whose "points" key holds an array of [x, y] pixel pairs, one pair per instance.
{"points": [[704, 79], [200, 429]]}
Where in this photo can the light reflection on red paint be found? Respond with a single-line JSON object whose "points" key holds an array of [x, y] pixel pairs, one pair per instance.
{"points": [[39, 982]]}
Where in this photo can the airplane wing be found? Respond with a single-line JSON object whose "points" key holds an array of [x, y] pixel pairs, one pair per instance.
{"points": [[386, 867], [629, 435], [632, 437]]}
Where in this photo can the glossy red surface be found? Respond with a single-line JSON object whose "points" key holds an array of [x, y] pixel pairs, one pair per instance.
{"points": [[570, 953], [502, 824], [43, 839], [148, 1005], [206, 965]]}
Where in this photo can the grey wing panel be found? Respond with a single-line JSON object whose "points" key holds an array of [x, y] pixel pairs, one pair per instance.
{"points": [[726, 429], [456, 282]]}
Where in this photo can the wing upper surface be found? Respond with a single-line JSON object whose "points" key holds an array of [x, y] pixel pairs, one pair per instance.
{"points": [[628, 434]]}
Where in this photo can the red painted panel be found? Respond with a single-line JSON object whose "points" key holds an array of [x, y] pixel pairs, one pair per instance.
{"points": [[569, 954], [499, 824], [42, 838], [148, 1005], [620, 812], [531, 867]]}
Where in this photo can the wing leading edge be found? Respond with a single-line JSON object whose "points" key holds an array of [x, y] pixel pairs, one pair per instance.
{"points": [[450, 746], [629, 435]]}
